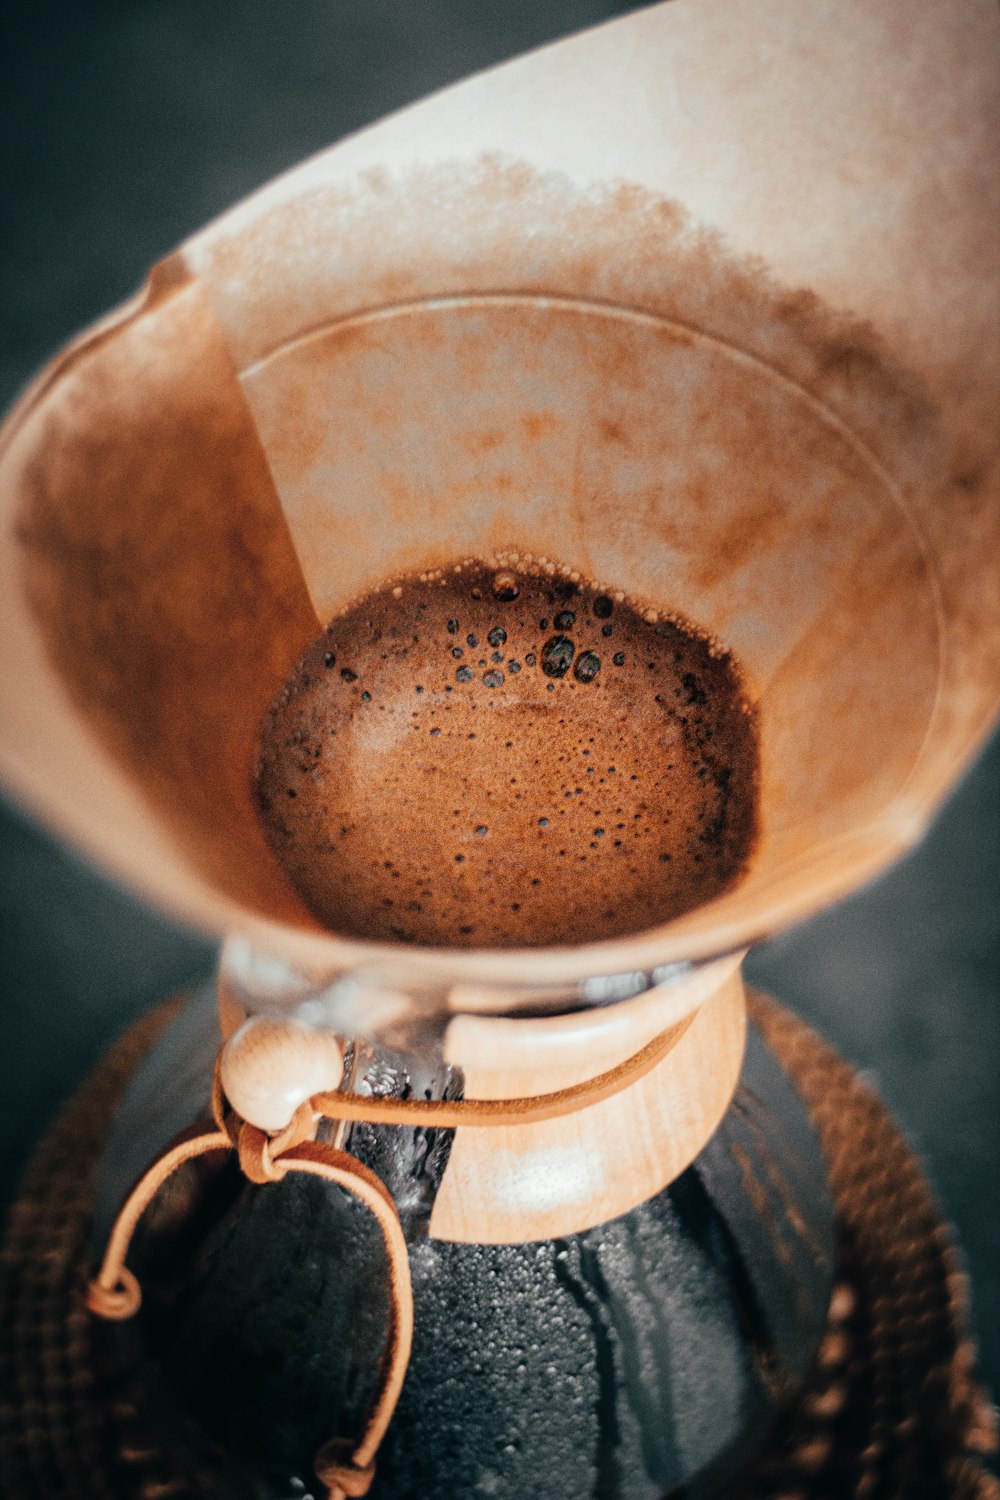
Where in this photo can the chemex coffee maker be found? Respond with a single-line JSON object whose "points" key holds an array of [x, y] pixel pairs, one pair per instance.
{"points": [[701, 307]]}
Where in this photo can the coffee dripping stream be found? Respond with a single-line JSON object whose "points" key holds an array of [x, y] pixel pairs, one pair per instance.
{"points": [[687, 385]]}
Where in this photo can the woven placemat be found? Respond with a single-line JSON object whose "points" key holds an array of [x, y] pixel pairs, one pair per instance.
{"points": [[893, 1409]]}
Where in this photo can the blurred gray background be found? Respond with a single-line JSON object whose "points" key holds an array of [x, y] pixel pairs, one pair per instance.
{"points": [[125, 125]]}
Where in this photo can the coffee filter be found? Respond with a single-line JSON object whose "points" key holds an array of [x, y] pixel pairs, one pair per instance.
{"points": [[701, 304]]}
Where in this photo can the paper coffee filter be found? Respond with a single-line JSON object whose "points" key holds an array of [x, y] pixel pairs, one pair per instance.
{"points": [[702, 304]]}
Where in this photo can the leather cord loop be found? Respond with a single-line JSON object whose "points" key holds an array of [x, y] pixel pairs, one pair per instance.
{"points": [[344, 1469], [114, 1293], [118, 1302]]}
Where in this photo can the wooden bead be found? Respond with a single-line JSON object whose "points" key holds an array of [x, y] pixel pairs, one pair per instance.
{"points": [[271, 1066]]}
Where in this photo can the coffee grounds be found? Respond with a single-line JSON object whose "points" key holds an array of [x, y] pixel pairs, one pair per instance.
{"points": [[480, 759]]}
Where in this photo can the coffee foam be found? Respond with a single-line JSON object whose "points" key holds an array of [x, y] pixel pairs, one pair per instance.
{"points": [[503, 755]]}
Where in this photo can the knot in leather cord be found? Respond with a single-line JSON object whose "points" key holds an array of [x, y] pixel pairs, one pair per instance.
{"points": [[255, 1151], [344, 1479]]}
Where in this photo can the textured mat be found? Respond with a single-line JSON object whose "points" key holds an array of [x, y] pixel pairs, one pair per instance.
{"points": [[893, 1409]]}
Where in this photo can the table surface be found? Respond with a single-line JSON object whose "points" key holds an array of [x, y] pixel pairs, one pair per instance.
{"points": [[124, 125]]}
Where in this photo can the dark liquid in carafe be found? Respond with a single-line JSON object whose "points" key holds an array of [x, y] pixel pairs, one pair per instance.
{"points": [[491, 758]]}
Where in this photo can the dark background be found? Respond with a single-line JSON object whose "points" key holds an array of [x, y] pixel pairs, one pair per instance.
{"points": [[124, 126]]}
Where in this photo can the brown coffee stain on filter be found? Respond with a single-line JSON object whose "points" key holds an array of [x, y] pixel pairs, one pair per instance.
{"points": [[489, 758], [159, 567]]}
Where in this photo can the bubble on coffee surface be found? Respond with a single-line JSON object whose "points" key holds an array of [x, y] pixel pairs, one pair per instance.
{"points": [[566, 794]]}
